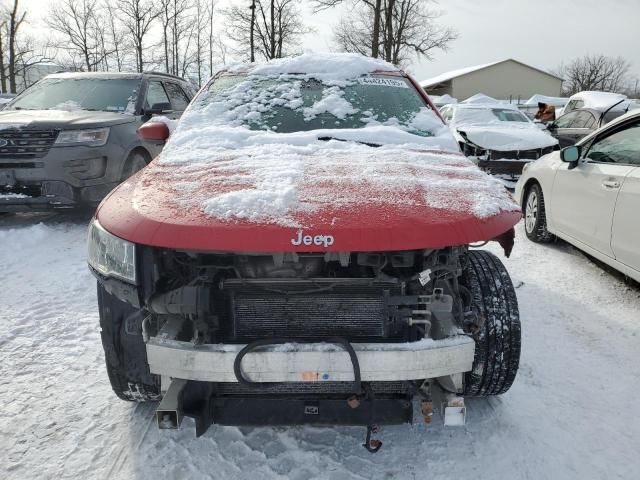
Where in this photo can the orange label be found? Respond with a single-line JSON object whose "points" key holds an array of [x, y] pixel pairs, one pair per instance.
{"points": [[310, 376]]}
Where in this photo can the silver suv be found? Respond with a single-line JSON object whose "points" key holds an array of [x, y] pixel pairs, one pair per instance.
{"points": [[71, 138]]}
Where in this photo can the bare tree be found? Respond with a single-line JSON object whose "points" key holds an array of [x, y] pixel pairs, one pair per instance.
{"points": [[595, 72], [14, 20], [276, 27], [370, 42], [406, 28], [29, 53], [121, 46], [138, 17], [78, 21], [179, 29], [3, 73]]}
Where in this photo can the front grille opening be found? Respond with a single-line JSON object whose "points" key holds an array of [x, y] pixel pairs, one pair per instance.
{"points": [[26, 144], [356, 312]]}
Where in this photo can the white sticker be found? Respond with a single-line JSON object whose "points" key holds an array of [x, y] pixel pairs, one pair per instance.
{"points": [[382, 82]]}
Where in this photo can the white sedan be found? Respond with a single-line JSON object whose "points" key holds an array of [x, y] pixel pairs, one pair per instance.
{"points": [[589, 195]]}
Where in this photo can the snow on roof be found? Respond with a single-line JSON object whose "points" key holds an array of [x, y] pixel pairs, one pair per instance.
{"points": [[555, 101], [325, 66], [600, 100], [443, 99], [481, 99], [455, 73], [465, 71]]}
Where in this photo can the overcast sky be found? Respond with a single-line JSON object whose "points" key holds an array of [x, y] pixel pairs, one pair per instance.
{"points": [[542, 33]]}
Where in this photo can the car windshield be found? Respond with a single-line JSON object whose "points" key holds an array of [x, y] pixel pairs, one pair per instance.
{"points": [[106, 94], [483, 116], [294, 103]]}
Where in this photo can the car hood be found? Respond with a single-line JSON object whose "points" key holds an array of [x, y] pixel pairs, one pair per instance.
{"points": [[326, 196], [60, 119], [505, 138]]}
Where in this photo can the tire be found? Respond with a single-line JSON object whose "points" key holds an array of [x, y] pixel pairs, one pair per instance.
{"points": [[125, 351], [497, 354], [135, 162], [535, 218]]}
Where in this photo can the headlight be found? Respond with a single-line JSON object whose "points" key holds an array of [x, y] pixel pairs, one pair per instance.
{"points": [[109, 255], [94, 137]]}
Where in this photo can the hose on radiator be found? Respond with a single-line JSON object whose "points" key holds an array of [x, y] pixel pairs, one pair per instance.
{"points": [[344, 343]]}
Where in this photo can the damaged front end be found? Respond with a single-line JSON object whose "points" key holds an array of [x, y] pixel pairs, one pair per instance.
{"points": [[507, 165], [301, 338]]}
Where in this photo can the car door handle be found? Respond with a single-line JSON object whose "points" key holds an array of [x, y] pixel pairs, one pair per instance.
{"points": [[611, 184]]}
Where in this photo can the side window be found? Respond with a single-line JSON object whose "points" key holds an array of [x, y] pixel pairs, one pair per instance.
{"points": [[622, 146], [155, 94], [574, 105], [590, 120], [179, 99], [447, 114], [567, 121], [583, 120]]}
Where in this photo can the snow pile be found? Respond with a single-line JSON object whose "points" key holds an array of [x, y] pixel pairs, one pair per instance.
{"points": [[324, 66], [332, 102], [555, 101], [69, 106], [12, 195], [169, 122], [481, 99], [442, 100], [284, 184]]}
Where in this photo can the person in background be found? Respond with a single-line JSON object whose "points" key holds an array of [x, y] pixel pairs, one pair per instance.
{"points": [[546, 113]]}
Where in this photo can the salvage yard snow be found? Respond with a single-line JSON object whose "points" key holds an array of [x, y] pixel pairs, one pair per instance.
{"points": [[569, 415]]}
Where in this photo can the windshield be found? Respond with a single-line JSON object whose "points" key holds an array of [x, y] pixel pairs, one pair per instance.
{"points": [[294, 103], [107, 94], [482, 116]]}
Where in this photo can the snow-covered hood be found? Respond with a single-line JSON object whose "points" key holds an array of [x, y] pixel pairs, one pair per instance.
{"points": [[262, 197], [507, 137], [62, 119], [229, 181]]}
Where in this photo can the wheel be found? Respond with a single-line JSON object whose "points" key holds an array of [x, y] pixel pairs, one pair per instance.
{"points": [[494, 300], [535, 219], [134, 163], [124, 350]]}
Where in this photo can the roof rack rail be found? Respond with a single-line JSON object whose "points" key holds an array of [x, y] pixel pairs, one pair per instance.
{"points": [[164, 74]]}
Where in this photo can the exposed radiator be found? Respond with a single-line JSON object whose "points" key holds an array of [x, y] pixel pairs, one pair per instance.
{"points": [[307, 310]]}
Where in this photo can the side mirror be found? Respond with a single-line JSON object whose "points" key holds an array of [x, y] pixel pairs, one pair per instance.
{"points": [[154, 132], [571, 155], [158, 109]]}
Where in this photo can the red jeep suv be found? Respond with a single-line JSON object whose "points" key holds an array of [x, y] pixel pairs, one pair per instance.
{"points": [[300, 252]]}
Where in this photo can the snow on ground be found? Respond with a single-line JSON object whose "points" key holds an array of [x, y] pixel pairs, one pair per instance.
{"points": [[570, 414]]}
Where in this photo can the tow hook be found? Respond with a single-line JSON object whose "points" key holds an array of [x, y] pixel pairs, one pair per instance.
{"points": [[371, 444]]}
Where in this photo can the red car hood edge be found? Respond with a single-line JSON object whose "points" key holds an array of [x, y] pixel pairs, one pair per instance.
{"points": [[369, 227]]}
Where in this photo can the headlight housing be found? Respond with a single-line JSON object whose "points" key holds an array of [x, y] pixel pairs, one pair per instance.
{"points": [[94, 137], [109, 255]]}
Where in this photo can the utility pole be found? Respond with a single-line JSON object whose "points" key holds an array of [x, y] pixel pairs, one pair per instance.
{"points": [[253, 24]]}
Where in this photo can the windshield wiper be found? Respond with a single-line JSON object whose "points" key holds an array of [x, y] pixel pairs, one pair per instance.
{"points": [[368, 144]]}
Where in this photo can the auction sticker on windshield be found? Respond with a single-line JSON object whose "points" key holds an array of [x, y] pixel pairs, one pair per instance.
{"points": [[382, 82]]}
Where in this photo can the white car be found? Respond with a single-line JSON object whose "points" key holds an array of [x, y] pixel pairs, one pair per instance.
{"points": [[498, 137], [589, 195]]}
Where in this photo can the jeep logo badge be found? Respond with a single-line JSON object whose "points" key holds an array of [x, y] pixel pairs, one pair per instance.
{"points": [[3, 142], [319, 240]]}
